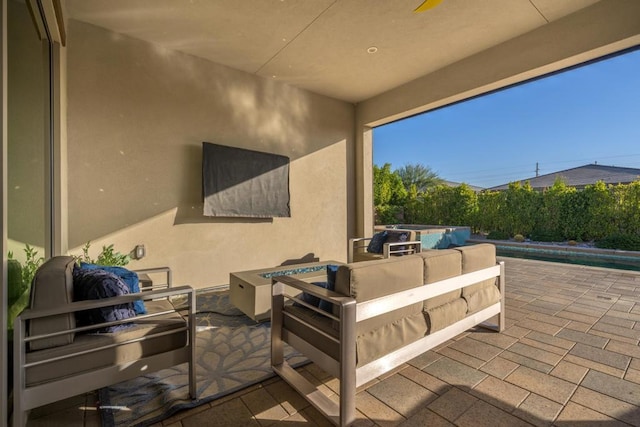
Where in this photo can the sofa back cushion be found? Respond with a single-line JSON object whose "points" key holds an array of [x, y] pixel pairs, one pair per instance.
{"points": [[368, 280], [52, 287], [440, 264], [477, 257]]}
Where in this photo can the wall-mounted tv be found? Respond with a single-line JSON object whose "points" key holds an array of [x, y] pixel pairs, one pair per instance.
{"points": [[237, 182]]}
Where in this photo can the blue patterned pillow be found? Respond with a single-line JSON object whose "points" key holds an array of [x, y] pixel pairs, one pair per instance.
{"points": [[377, 241], [129, 277], [99, 284]]}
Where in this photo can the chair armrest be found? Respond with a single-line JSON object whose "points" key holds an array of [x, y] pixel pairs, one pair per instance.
{"points": [[104, 302], [353, 245], [153, 270], [333, 297], [411, 247], [73, 307]]}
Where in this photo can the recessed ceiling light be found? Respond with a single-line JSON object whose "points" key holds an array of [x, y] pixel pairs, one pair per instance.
{"points": [[372, 49]]}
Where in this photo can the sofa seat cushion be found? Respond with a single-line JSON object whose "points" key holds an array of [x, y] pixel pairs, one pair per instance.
{"points": [[446, 314], [297, 326], [440, 264], [482, 298], [393, 335], [110, 356]]}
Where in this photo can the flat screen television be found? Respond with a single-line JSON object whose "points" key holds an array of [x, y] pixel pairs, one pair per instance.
{"points": [[237, 182]]}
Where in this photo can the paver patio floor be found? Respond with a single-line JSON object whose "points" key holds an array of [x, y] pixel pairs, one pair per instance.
{"points": [[569, 356]]}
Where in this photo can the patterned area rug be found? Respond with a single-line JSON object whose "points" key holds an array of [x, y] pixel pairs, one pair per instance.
{"points": [[232, 352]]}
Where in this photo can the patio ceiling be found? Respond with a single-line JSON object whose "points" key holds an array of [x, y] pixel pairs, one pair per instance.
{"points": [[324, 45]]}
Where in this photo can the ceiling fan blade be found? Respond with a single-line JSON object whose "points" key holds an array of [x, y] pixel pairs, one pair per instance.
{"points": [[427, 4]]}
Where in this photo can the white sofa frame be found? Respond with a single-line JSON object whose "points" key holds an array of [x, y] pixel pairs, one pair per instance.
{"points": [[343, 413], [26, 398]]}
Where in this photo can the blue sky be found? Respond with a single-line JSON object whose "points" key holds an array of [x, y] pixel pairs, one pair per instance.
{"points": [[584, 115]]}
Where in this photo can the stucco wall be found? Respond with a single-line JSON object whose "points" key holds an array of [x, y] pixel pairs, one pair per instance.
{"points": [[137, 115]]}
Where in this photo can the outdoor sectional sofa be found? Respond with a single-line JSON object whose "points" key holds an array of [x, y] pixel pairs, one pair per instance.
{"points": [[385, 313], [55, 357]]}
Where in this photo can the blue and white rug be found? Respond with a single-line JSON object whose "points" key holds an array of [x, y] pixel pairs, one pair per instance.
{"points": [[232, 352]]}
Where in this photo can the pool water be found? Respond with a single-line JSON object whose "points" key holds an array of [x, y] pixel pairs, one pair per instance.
{"points": [[591, 259]]}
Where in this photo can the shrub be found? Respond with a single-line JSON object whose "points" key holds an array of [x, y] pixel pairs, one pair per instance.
{"points": [[628, 242], [518, 238], [498, 235], [542, 235]]}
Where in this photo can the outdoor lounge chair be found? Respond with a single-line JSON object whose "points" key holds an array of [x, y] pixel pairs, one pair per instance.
{"points": [[383, 245], [54, 359]]}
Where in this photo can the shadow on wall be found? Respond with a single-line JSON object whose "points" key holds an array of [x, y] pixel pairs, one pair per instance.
{"points": [[138, 114]]}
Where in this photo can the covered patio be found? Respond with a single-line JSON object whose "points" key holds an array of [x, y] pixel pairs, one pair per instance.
{"points": [[569, 356]]}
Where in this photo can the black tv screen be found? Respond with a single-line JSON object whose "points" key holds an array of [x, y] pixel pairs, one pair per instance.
{"points": [[237, 182]]}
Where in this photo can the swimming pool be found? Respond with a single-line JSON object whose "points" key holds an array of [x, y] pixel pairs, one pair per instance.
{"points": [[608, 258], [434, 236]]}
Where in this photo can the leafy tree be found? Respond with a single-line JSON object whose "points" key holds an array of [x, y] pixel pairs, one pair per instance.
{"points": [[419, 175], [387, 186]]}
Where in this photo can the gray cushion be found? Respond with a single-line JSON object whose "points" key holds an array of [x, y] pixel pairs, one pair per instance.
{"points": [[52, 286], [110, 356]]}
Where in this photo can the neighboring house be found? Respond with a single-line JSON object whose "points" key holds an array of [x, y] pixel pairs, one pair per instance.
{"points": [[581, 176]]}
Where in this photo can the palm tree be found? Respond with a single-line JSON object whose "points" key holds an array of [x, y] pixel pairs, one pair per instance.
{"points": [[419, 175]]}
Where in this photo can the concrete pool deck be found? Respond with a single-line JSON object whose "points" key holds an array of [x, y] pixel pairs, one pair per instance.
{"points": [[569, 356]]}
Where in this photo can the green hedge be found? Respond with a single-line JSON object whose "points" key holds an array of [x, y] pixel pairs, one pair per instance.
{"points": [[558, 213]]}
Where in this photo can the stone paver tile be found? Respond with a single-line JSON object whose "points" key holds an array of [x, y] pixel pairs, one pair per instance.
{"points": [[402, 395], [535, 353], [618, 321], [538, 410], [499, 393], [635, 363], [576, 415], [625, 315], [550, 340], [578, 326], [602, 356], [499, 367], [426, 417], [594, 365], [569, 372], [535, 325], [377, 411], [452, 404], [617, 330], [632, 375], [427, 381], [584, 338], [613, 337], [455, 373], [627, 349], [232, 413], [425, 359], [607, 405], [583, 318], [499, 340], [612, 386], [547, 386], [527, 361], [286, 396], [462, 357], [264, 407], [482, 414], [548, 319], [593, 310], [516, 331]]}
